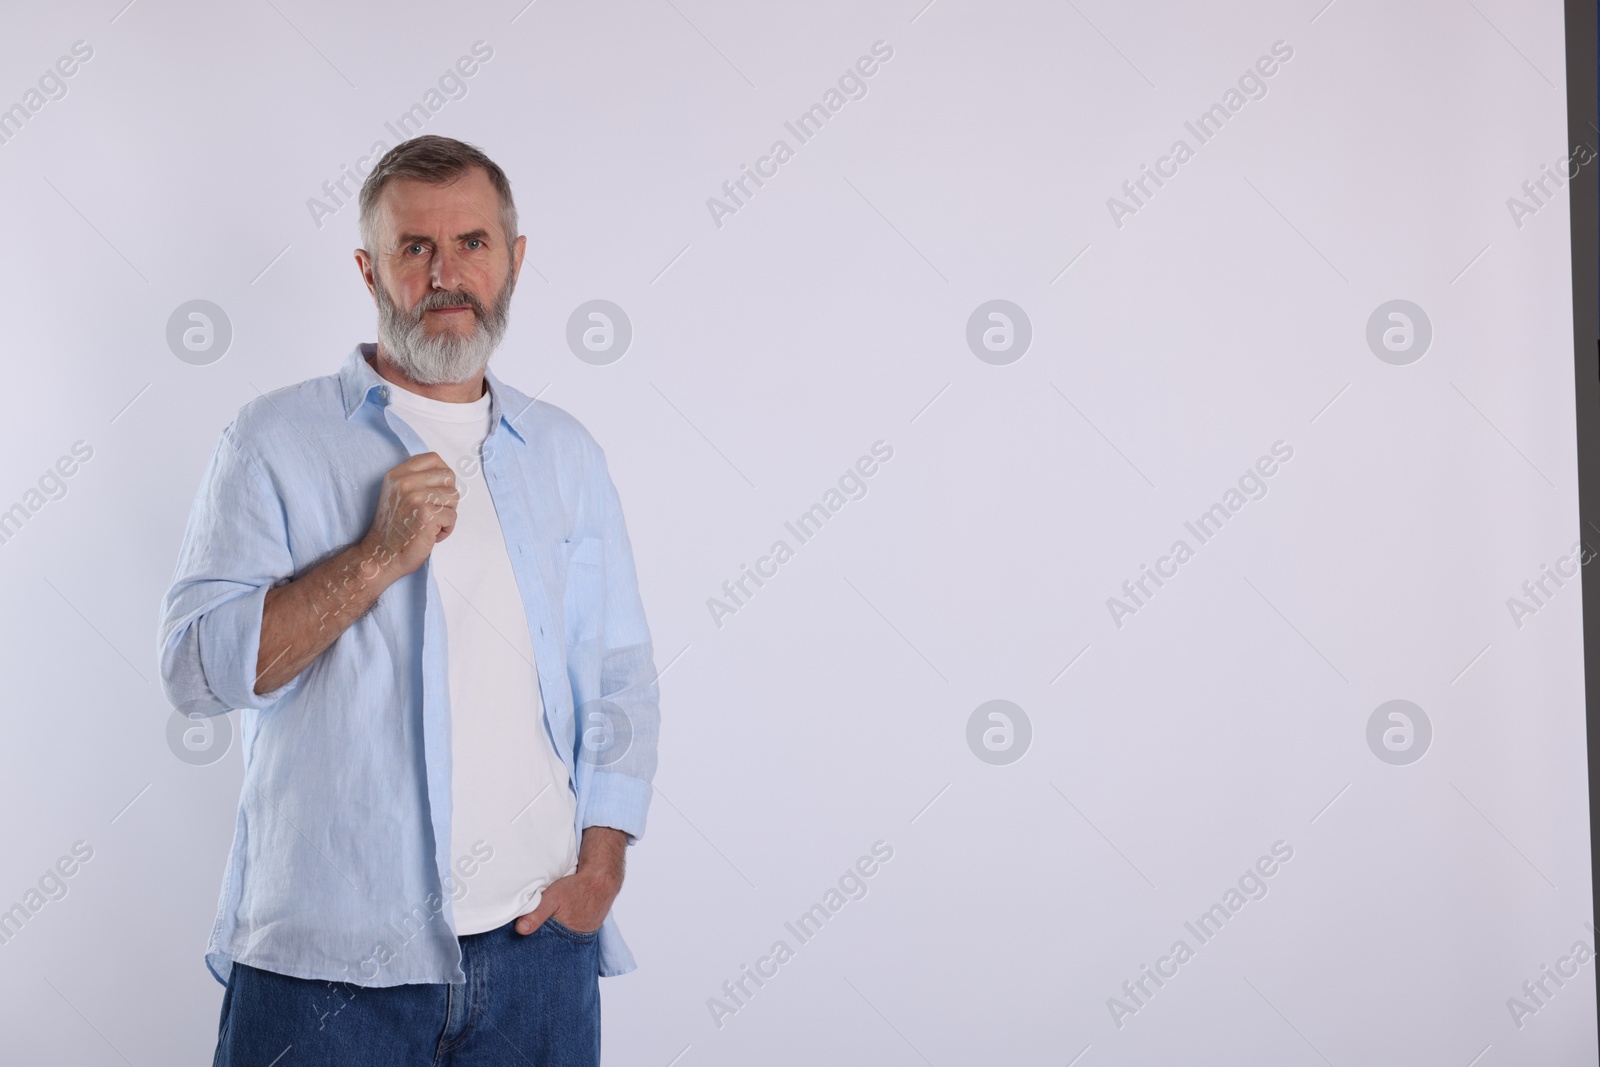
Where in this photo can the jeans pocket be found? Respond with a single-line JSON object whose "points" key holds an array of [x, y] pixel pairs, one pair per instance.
{"points": [[580, 936]]}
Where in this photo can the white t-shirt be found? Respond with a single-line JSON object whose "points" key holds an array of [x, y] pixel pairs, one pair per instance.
{"points": [[512, 799]]}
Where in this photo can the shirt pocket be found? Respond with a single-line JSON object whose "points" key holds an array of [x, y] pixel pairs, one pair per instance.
{"points": [[589, 550]]}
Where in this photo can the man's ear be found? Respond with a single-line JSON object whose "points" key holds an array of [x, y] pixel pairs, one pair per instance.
{"points": [[518, 247], [365, 265]]}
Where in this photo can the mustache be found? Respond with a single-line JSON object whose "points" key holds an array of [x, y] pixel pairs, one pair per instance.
{"points": [[435, 301]]}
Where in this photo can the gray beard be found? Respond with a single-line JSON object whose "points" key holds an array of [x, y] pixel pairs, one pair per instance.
{"points": [[447, 358]]}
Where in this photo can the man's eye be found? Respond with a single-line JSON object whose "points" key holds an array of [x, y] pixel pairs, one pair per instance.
{"points": [[412, 247], [475, 242]]}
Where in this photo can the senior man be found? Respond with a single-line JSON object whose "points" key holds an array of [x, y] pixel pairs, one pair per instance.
{"points": [[416, 583]]}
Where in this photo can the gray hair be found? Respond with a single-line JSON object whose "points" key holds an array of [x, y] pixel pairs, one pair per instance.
{"points": [[436, 160]]}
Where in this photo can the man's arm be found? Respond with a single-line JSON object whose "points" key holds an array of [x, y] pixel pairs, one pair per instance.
{"points": [[299, 620], [219, 646], [619, 784]]}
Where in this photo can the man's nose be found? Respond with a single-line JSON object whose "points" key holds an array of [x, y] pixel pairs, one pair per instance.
{"points": [[446, 270]]}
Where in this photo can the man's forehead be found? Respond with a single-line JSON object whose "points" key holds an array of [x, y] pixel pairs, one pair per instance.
{"points": [[464, 203]]}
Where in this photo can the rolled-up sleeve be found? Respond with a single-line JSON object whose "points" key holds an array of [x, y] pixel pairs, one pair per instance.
{"points": [[620, 790], [235, 549]]}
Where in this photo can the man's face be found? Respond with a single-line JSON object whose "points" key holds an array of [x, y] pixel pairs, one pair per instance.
{"points": [[442, 276]]}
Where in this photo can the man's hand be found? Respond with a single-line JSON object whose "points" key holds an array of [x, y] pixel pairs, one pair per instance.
{"points": [[582, 899], [416, 510]]}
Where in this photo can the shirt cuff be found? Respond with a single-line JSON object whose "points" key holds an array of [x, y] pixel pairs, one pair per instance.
{"points": [[230, 640], [619, 801]]}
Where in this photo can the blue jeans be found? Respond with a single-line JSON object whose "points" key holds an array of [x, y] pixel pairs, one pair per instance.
{"points": [[531, 999]]}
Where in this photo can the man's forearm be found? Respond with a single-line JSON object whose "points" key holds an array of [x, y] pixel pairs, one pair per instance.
{"points": [[602, 854], [301, 619]]}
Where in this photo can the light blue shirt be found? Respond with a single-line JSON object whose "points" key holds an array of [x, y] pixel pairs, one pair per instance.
{"points": [[340, 866]]}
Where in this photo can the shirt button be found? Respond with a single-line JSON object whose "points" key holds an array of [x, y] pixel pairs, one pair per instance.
{"points": [[383, 391]]}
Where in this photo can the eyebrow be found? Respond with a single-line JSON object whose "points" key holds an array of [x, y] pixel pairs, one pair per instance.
{"points": [[410, 238]]}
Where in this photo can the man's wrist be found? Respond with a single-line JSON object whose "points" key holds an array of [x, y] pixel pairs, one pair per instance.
{"points": [[375, 562], [600, 856]]}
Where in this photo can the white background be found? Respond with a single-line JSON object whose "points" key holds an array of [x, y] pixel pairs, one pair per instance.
{"points": [[830, 313]]}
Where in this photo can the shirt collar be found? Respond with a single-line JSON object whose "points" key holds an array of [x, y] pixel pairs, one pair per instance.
{"points": [[359, 384]]}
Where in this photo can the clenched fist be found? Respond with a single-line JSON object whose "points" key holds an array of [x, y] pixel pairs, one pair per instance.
{"points": [[416, 510]]}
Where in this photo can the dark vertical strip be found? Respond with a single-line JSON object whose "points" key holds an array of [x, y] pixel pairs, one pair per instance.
{"points": [[1583, 129]]}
